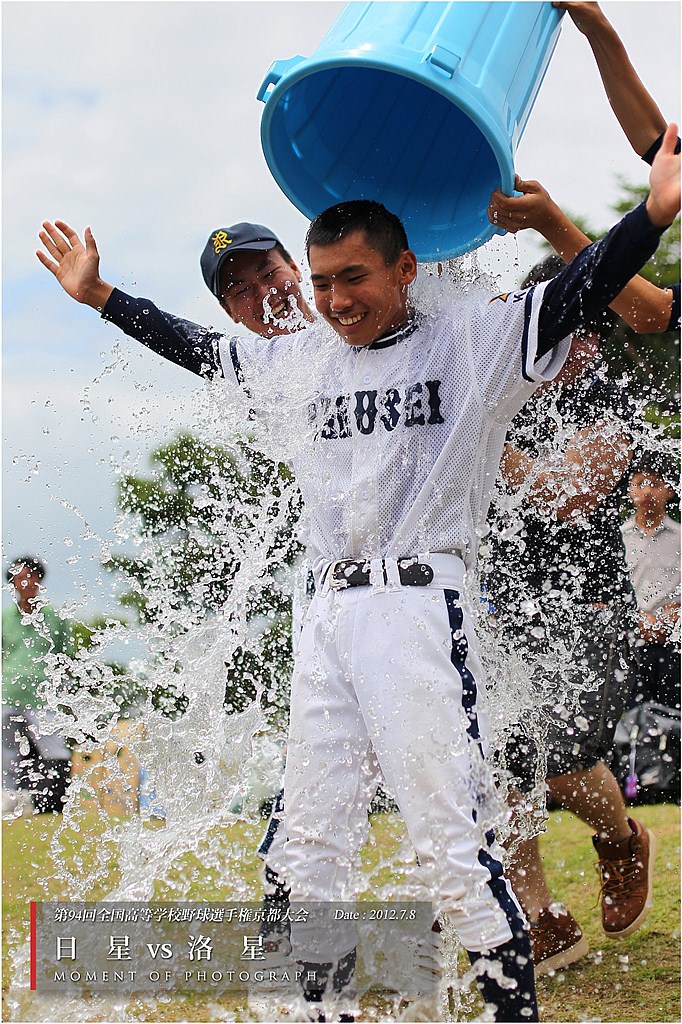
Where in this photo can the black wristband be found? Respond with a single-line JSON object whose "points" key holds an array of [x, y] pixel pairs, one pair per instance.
{"points": [[653, 149]]}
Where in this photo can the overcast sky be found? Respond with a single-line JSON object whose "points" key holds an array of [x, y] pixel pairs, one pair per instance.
{"points": [[140, 119]]}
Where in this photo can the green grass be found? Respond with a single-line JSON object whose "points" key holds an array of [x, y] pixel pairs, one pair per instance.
{"points": [[636, 979]]}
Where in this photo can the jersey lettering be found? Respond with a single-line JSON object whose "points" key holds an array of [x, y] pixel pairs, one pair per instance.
{"points": [[343, 416], [365, 411], [420, 406], [337, 422], [391, 417], [432, 387], [414, 417]]}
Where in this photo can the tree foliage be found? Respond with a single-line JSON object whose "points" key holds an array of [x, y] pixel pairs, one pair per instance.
{"points": [[200, 515]]}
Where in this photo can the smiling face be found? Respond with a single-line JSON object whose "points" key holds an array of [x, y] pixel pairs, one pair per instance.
{"points": [[356, 292], [249, 278]]}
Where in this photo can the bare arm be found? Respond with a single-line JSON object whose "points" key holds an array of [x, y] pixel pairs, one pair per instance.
{"points": [[594, 462], [644, 306], [656, 627], [598, 274], [633, 105]]}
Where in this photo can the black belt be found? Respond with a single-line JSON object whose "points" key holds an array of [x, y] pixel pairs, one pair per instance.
{"points": [[351, 572]]}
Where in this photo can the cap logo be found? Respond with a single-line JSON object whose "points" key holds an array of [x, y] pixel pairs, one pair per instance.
{"points": [[220, 241]]}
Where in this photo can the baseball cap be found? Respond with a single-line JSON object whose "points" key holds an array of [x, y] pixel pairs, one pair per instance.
{"points": [[224, 241]]}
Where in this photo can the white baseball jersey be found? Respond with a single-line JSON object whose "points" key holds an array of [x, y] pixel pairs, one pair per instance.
{"points": [[396, 446]]}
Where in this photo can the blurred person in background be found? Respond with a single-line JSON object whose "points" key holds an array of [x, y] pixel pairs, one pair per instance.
{"points": [[35, 767], [652, 547]]}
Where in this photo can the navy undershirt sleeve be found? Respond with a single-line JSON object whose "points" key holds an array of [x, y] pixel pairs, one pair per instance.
{"points": [[593, 279], [184, 343]]}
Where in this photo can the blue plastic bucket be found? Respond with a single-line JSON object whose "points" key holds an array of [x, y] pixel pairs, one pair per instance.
{"points": [[418, 105]]}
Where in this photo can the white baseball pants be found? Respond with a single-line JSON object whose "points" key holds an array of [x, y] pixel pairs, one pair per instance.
{"points": [[391, 675]]}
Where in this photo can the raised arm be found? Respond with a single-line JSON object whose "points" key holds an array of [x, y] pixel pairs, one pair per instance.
{"points": [[656, 627], [596, 275], [633, 105], [595, 459], [643, 305], [76, 267]]}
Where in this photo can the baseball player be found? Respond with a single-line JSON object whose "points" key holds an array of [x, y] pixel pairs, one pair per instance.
{"points": [[652, 550], [245, 266], [397, 449], [405, 428], [625, 848]]}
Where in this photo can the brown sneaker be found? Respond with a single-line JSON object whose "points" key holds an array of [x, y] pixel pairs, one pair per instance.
{"points": [[556, 939], [626, 870]]}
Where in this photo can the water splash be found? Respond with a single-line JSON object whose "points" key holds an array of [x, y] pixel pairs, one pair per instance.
{"points": [[194, 749]]}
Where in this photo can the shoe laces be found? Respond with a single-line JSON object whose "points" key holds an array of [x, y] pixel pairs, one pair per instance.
{"points": [[539, 927], [617, 875]]}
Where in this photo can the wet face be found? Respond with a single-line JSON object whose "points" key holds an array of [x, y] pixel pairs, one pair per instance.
{"points": [[252, 280], [649, 492], [27, 586], [356, 292]]}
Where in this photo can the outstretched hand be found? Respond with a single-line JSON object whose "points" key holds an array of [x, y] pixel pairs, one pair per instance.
{"points": [[663, 202], [534, 209], [583, 15], [76, 266]]}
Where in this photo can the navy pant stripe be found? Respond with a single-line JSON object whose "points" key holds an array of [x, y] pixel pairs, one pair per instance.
{"points": [[273, 825], [458, 656], [524, 338], [498, 887]]}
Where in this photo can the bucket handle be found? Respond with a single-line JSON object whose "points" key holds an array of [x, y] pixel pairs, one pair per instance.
{"points": [[276, 71], [443, 60]]}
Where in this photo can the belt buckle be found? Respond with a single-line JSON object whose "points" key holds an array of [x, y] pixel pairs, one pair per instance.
{"points": [[413, 573], [348, 572]]}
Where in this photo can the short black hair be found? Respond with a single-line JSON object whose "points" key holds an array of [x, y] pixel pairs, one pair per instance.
{"points": [[383, 229], [604, 323], [659, 464], [545, 270], [25, 562]]}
